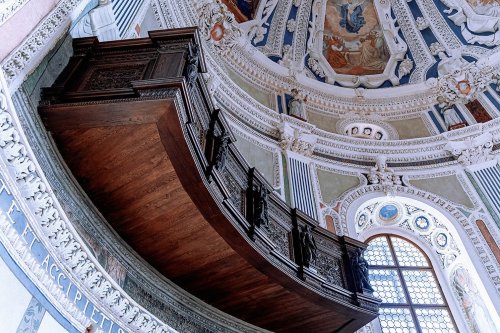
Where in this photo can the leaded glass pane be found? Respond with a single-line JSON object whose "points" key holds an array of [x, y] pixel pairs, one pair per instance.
{"points": [[378, 253], [422, 287], [396, 320], [387, 285], [435, 320], [407, 254]]}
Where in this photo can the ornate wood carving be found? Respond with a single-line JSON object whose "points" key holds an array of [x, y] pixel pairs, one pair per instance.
{"points": [[152, 101]]}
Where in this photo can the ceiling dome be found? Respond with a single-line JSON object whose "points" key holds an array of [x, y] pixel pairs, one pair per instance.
{"points": [[420, 68]]}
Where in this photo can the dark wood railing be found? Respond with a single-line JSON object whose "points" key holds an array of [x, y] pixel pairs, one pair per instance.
{"points": [[165, 63]]}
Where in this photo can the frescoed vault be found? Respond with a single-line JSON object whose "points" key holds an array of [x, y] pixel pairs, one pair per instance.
{"points": [[353, 39]]}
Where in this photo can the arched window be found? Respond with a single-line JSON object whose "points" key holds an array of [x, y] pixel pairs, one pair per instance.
{"points": [[403, 277]]}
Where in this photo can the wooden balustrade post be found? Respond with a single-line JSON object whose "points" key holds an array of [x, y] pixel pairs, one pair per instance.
{"points": [[297, 248], [250, 204]]}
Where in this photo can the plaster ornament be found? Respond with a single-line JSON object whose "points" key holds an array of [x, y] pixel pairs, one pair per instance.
{"points": [[256, 30], [296, 139], [405, 67], [436, 47], [286, 59], [421, 23], [496, 78], [213, 82], [479, 25], [460, 81], [472, 150], [122, 306], [28, 54], [296, 106], [314, 65], [257, 33], [291, 25], [450, 116], [383, 175], [218, 25], [9, 8], [365, 127]]}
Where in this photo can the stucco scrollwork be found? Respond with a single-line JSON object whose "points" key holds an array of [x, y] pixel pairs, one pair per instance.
{"points": [[296, 139], [383, 175], [460, 81], [472, 150], [39, 198], [218, 24]]}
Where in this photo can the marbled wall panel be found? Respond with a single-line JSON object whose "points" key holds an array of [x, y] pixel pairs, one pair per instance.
{"points": [[326, 123], [257, 157], [410, 128], [448, 187], [332, 185]]}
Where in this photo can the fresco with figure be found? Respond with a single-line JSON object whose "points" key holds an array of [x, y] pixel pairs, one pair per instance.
{"points": [[243, 10], [353, 42], [486, 7]]}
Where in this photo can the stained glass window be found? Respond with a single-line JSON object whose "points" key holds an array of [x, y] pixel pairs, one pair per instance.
{"points": [[402, 276]]}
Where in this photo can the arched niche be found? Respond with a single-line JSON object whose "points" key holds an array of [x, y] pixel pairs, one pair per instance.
{"points": [[445, 218]]}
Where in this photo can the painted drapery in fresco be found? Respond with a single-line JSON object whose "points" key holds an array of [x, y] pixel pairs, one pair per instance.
{"points": [[353, 42], [486, 7], [478, 317]]}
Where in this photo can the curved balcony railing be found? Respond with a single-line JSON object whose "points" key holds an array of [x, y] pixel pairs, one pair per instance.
{"points": [[328, 265]]}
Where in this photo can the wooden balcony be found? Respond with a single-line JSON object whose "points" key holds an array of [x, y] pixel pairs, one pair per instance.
{"points": [[136, 128]]}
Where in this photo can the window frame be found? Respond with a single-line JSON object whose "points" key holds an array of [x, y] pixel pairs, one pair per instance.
{"points": [[399, 269]]}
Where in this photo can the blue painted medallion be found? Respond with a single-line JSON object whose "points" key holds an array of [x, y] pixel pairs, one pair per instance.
{"points": [[422, 223], [388, 212]]}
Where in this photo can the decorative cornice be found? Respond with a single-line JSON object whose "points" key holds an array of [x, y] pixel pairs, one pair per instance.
{"points": [[9, 8], [66, 244], [29, 54], [295, 139], [471, 151]]}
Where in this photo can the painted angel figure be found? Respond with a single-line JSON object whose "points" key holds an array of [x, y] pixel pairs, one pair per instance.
{"points": [[351, 15]]}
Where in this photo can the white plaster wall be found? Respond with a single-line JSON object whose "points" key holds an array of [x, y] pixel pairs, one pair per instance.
{"points": [[14, 300], [22, 23], [50, 325]]}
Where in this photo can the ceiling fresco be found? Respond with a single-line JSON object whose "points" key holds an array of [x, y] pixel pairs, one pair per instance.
{"points": [[243, 10], [372, 43], [437, 61], [353, 39]]}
